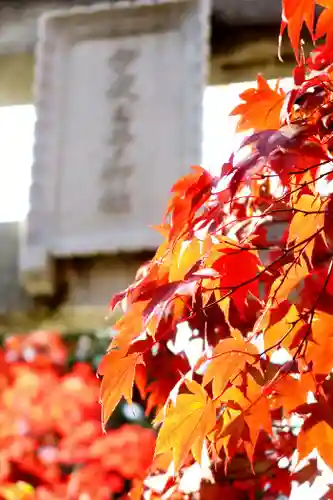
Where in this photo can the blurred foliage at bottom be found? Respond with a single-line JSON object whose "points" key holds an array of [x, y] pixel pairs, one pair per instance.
{"points": [[52, 446]]}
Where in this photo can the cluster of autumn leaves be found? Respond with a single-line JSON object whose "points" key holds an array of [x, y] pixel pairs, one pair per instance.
{"points": [[246, 266], [51, 443]]}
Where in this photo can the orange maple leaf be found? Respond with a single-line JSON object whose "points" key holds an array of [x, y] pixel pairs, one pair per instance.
{"points": [[186, 424], [325, 21], [282, 333], [290, 392], [244, 417], [294, 14], [317, 433], [308, 219], [128, 327], [189, 194], [261, 109], [229, 359], [319, 347], [118, 378], [290, 281]]}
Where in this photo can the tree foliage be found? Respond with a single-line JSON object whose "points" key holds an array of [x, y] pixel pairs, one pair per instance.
{"points": [[51, 442], [246, 266]]}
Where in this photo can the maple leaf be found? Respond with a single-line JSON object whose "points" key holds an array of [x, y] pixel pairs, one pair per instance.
{"points": [[317, 433], [186, 424], [294, 14], [190, 193], [18, 491], [211, 492], [319, 346], [238, 270], [309, 218], [324, 23], [184, 256], [118, 378], [229, 359], [167, 293], [288, 285], [308, 473], [290, 392], [269, 145], [328, 494], [282, 333], [128, 327], [245, 415], [261, 109], [242, 290], [162, 371]]}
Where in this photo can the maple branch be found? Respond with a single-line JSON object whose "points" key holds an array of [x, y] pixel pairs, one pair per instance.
{"points": [[293, 172], [260, 273], [269, 212], [304, 184]]}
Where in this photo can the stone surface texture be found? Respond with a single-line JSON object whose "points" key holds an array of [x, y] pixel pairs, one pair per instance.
{"points": [[119, 92], [86, 288]]}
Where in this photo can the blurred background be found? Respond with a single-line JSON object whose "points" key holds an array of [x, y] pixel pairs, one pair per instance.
{"points": [[54, 323], [242, 42]]}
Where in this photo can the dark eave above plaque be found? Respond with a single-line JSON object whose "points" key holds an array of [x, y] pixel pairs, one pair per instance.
{"points": [[18, 18]]}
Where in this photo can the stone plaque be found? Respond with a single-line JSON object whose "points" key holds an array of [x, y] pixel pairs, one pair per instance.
{"points": [[119, 92]]}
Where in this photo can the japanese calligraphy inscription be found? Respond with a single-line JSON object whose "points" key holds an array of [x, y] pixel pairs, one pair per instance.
{"points": [[117, 172]]}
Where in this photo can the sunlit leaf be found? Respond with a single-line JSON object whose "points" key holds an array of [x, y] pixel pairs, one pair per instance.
{"points": [[261, 109], [307, 221], [317, 433], [295, 13], [118, 379], [229, 359], [186, 424]]}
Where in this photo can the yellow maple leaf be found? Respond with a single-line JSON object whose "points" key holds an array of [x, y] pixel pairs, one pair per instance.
{"points": [[322, 325], [309, 217], [284, 331], [17, 491], [128, 327], [316, 434], [319, 348], [184, 256], [229, 359], [252, 409], [186, 424], [118, 378], [288, 284]]}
